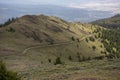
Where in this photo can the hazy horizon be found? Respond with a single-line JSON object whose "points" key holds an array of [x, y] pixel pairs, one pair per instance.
{"points": [[79, 10]]}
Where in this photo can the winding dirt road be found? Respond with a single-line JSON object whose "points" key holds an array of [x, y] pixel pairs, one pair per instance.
{"points": [[55, 44]]}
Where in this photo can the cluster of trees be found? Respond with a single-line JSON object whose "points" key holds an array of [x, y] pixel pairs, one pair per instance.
{"points": [[9, 21], [80, 58], [111, 41]]}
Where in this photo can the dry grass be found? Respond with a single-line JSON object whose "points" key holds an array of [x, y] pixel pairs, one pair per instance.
{"points": [[42, 31]]}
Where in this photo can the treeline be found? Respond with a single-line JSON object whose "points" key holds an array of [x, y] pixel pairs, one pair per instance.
{"points": [[78, 58], [9, 21]]}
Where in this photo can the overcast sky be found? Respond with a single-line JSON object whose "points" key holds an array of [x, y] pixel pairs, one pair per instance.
{"points": [[102, 5]]}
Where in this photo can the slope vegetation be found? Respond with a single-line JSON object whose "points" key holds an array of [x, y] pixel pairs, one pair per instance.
{"points": [[111, 36], [32, 44]]}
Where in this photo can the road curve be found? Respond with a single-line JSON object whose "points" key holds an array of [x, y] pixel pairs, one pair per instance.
{"points": [[55, 44]]}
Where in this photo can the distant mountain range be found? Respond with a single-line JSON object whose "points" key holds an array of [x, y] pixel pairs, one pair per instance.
{"points": [[66, 13]]}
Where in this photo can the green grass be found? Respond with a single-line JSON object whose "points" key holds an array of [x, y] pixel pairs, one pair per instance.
{"points": [[103, 69]]}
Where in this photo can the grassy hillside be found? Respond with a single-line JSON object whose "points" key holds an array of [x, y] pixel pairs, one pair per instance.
{"points": [[32, 44], [29, 31], [113, 22]]}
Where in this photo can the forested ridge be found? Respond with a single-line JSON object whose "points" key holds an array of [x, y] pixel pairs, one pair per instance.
{"points": [[112, 22]]}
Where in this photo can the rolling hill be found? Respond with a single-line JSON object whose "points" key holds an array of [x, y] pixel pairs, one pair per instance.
{"points": [[29, 31], [31, 45]]}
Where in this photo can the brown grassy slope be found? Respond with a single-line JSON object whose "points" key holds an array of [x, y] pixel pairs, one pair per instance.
{"points": [[31, 30], [54, 38], [34, 29]]}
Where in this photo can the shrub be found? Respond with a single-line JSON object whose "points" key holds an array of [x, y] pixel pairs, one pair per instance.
{"points": [[78, 40], [77, 45], [73, 39], [49, 60], [92, 39], [99, 58], [78, 56], [86, 40], [103, 52], [83, 58], [96, 36], [94, 47], [89, 58], [7, 75], [70, 58], [101, 46], [41, 62], [58, 61]]}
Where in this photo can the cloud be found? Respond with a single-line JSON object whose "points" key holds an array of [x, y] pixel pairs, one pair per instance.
{"points": [[101, 5], [107, 5]]}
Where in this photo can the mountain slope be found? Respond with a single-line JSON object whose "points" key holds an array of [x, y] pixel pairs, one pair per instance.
{"points": [[32, 43], [113, 22], [32, 30]]}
